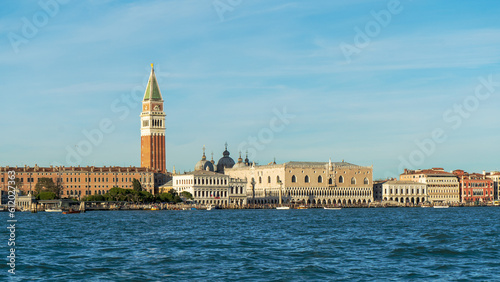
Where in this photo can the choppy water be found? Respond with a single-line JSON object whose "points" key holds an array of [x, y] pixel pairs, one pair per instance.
{"points": [[258, 245]]}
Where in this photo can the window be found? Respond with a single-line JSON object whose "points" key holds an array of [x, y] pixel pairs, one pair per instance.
{"points": [[306, 179], [353, 180], [278, 179], [294, 179], [320, 179], [366, 181], [330, 181], [269, 179], [341, 179], [260, 179]]}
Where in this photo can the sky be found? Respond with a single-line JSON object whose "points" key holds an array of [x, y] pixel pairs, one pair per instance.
{"points": [[393, 84]]}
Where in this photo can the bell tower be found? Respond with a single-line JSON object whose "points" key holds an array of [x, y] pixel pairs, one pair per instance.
{"points": [[153, 127]]}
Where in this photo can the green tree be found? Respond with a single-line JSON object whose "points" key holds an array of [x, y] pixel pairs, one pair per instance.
{"points": [[137, 185], [186, 195], [46, 195], [44, 184]]}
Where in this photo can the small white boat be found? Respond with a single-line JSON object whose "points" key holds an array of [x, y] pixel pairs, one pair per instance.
{"points": [[53, 210], [282, 208], [331, 208], [441, 207]]}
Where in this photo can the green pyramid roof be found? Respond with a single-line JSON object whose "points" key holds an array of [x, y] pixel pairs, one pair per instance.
{"points": [[152, 90]]}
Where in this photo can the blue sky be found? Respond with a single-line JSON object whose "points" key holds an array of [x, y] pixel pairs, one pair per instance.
{"points": [[226, 67]]}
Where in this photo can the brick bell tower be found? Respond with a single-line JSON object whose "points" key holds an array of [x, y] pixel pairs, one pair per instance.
{"points": [[153, 127]]}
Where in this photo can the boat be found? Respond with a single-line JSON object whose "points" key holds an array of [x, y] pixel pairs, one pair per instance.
{"points": [[441, 207], [282, 208], [53, 210], [70, 211], [155, 209], [302, 208], [331, 208], [194, 209]]}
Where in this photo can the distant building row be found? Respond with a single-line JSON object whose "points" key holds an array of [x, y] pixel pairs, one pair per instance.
{"points": [[437, 185]]}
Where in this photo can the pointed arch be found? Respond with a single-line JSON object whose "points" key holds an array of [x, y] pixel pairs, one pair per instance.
{"points": [[320, 179], [366, 181], [341, 179], [353, 180], [294, 179], [306, 179]]}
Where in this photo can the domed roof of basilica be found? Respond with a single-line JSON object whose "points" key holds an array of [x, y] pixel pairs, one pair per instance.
{"points": [[225, 162], [240, 163], [204, 164]]}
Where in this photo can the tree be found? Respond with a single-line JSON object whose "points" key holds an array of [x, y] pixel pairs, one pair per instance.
{"points": [[137, 185], [17, 184], [46, 196], [186, 195], [46, 184]]}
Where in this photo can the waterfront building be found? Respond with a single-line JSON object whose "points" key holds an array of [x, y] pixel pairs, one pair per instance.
{"points": [[405, 192], [208, 187], [325, 183], [474, 187], [495, 177], [442, 186], [77, 182], [153, 154], [25, 202]]}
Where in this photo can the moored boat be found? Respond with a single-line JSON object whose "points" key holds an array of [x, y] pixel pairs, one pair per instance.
{"points": [[441, 207], [331, 208], [282, 208], [302, 208], [53, 210]]}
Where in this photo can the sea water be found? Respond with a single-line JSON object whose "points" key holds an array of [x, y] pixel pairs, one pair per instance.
{"points": [[257, 245]]}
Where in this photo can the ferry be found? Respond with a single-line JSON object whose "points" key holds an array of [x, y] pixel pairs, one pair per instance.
{"points": [[331, 208], [441, 207], [282, 208]]}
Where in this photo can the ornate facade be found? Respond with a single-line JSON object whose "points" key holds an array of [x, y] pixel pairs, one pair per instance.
{"points": [[208, 187], [474, 187], [324, 183]]}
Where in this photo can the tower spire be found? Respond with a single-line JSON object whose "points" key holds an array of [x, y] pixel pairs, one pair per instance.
{"points": [[152, 89]]}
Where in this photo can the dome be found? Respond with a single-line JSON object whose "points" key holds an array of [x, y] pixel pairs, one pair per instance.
{"points": [[225, 162], [240, 163], [204, 164]]}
